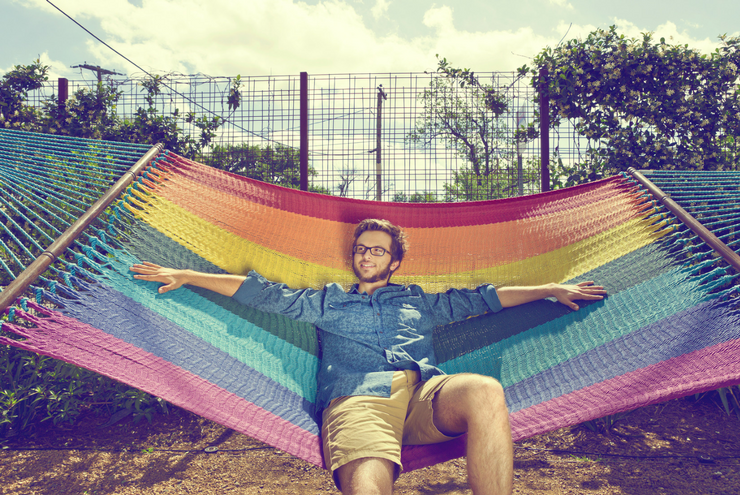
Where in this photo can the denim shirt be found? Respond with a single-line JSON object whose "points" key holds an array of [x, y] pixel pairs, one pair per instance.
{"points": [[366, 338]]}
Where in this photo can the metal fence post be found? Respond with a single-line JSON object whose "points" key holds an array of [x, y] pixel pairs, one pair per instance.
{"points": [[378, 161], [544, 130], [303, 152], [63, 93]]}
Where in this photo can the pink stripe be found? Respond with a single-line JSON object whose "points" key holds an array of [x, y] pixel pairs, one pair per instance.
{"points": [[698, 371], [75, 342], [706, 369]]}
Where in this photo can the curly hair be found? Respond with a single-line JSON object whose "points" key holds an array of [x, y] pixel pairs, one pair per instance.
{"points": [[399, 241]]}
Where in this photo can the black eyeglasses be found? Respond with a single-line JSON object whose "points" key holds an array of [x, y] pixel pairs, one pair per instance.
{"points": [[375, 251]]}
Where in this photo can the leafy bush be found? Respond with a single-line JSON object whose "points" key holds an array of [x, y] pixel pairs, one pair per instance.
{"points": [[92, 113], [644, 104], [36, 389]]}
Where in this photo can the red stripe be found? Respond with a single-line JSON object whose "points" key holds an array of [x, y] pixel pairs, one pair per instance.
{"points": [[426, 215]]}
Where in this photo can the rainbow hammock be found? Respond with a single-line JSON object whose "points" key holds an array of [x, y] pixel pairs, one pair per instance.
{"points": [[669, 327]]}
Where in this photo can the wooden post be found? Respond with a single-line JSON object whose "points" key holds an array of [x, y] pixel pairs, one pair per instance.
{"points": [[303, 152], [63, 92]]}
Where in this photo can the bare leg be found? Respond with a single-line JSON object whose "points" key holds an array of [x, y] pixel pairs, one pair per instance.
{"points": [[475, 404], [367, 476]]}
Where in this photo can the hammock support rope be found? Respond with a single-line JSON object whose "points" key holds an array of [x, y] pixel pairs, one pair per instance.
{"points": [[707, 236], [40, 264], [669, 327]]}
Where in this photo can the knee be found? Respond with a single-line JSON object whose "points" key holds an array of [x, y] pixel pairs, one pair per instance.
{"points": [[485, 393]]}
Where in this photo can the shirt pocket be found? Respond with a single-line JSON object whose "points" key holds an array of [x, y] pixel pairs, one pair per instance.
{"points": [[407, 311], [350, 319]]}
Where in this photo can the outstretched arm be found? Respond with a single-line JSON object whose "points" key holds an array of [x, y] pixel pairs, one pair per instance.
{"points": [[171, 278], [566, 294]]}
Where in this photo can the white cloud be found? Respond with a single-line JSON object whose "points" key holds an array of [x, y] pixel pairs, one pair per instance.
{"points": [[380, 8], [57, 69], [668, 30], [253, 37], [562, 3], [483, 51]]}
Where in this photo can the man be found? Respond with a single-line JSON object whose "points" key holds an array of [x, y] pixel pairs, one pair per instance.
{"points": [[378, 385]]}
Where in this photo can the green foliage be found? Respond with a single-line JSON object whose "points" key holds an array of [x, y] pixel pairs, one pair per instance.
{"points": [[730, 398], [14, 88], [37, 388], [150, 127], [92, 113], [466, 185], [645, 104], [465, 114], [417, 197], [562, 175], [276, 164], [235, 97], [87, 114]]}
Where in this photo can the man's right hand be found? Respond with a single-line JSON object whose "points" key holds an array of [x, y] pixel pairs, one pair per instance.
{"points": [[172, 279]]}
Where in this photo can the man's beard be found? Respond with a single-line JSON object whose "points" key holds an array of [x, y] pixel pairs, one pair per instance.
{"points": [[383, 275]]}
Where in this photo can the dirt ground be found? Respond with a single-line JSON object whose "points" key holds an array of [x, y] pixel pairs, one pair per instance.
{"points": [[681, 447]]}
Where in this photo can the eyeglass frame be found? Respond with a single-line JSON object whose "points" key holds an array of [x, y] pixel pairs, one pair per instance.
{"points": [[354, 250]]}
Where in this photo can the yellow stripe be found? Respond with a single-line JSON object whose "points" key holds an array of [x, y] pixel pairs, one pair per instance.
{"points": [[238, 255], [559, 265]]}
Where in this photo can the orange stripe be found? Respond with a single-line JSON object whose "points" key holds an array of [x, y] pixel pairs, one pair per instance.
{"points": [[433, 251]]}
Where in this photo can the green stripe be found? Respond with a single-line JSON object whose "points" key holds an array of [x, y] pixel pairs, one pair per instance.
{"points": [[275, 358], [460, 338], [148, 244], [549, 344]]}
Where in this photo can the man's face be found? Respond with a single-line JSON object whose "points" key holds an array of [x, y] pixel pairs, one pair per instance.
{"points": [[369, 268]]}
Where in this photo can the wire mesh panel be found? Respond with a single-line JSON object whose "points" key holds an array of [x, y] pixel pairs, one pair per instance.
{"points": [[392, 136]]}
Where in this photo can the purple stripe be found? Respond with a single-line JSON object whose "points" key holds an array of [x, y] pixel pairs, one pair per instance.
{"points": [[699, 371], [120, 316], [61, 337], [660, 341]]}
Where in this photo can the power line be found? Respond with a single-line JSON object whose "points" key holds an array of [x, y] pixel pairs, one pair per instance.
{"points": [[196, 104]]}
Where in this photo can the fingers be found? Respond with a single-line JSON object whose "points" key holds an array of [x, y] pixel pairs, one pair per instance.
{"points": [[586, 291], [151, 272], [145, 268]]}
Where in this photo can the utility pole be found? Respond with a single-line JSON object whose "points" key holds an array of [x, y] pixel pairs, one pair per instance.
{"points": [[378, 166], [98, 70]]}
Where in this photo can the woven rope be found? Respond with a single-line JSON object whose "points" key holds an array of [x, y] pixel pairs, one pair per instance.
{"points": [[669, 327]]}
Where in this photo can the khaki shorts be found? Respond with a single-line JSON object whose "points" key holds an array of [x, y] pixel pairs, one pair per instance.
{"points": [[369, 426]]}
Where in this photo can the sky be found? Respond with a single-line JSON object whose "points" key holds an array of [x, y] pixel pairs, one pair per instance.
{"points": [[280, 37]]}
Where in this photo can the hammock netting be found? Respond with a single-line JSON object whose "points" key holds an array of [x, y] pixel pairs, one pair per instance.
{"points": [[669, 327]]}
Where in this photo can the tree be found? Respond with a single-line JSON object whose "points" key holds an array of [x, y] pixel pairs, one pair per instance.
{"points": [[87, 114], [644, 104], [276, 164], [465, 114], [91, 113], [417, 197], [14, 88]]}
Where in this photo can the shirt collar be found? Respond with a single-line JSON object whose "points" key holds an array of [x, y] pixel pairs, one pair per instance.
{"points": [[390, 286]]}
